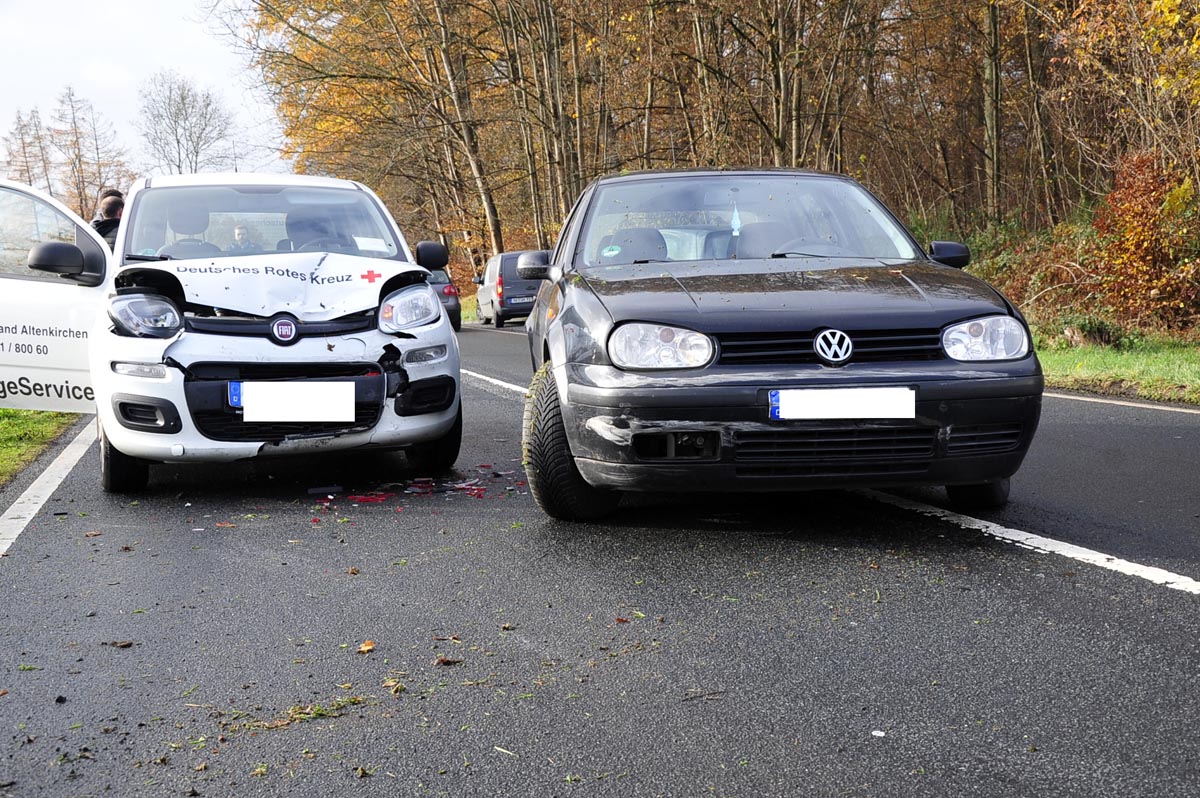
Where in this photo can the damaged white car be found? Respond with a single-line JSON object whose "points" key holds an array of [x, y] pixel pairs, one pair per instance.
{"points": [[239, 316]]}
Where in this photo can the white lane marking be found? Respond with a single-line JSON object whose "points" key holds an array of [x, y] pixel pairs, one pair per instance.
{"points": [[1026, 540], [1043, 545], [1123, 403], [22, 511], [519, 389]]}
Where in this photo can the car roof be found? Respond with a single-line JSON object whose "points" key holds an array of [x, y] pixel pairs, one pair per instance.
{"points": [[247, 179], [758, 171]]}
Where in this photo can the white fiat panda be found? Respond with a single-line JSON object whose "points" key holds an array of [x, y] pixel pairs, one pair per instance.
{"points": [[239, 316]]}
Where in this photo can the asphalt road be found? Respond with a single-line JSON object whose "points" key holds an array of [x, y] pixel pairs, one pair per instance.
{"points": [[204, 639]]}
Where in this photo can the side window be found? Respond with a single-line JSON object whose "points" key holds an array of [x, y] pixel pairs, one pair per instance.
{"points": [[492, 268], [560, 246], [25, 221]]}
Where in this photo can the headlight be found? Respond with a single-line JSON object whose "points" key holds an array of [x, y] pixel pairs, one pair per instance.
{"points": [[990, 338], [145, 316], [653, 346], [409, 307]]}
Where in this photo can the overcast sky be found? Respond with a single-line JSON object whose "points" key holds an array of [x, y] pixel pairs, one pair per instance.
{"points": [[106, 49]]}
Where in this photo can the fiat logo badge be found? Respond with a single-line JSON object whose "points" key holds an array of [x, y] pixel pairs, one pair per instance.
{"points": [[833, 346], [283, 330]]}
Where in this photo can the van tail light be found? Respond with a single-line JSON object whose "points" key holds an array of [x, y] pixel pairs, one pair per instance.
{"points": [[499, 285], [449, 290]]}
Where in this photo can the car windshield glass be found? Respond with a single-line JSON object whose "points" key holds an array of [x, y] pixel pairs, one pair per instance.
{"points": [[230, 221], [719, 217]]}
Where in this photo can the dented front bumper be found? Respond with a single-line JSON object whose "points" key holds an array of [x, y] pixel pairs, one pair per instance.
{"points": [[647, 432], [185, 414]]}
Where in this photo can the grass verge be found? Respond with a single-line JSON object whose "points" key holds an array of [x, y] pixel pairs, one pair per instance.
{"points": [[24, 434], [1162, 371]]}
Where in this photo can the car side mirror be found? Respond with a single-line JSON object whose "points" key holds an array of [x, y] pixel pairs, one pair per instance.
{"points": [[950, 253], [56, 257], [534, 265], [431, 254]]}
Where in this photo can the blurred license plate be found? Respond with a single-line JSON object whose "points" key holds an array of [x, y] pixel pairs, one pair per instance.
{"points": [[293, 401], [826, 403], [520, 300]]}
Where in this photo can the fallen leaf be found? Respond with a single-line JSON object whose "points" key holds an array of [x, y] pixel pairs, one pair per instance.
{"points": [[367, 647], [622, 620], [225, 524], [446, 662], [352, 571], [201, 767], [3, 692], [95, 533], [120, 644]]}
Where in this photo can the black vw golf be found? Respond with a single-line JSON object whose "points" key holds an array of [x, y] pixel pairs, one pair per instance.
{"points": [[767, 330]]}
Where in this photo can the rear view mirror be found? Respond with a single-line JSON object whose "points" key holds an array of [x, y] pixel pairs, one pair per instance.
{"points": [[950, 253], [432, 255], [56, 257], [534, 265]]}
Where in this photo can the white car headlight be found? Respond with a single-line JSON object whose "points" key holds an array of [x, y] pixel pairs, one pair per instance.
{"points": [[409, 307], [654, 346], [989, 338], [145, 315]]}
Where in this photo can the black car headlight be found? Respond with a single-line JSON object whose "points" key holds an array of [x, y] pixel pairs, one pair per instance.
{"points": [[145, 316], [638, 345], [989, 338], [409, 307]]}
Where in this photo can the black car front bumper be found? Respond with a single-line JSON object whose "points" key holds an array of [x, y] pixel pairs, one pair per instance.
{"points": [[659, 433]]}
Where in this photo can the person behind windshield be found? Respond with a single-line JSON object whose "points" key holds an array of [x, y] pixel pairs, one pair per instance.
{"points": [[241, 240], [111, 208]]}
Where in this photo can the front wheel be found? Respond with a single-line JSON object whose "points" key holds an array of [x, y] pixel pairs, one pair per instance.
{"points": [[120, 473], [438, 455], [984, 496], [554, 480]]}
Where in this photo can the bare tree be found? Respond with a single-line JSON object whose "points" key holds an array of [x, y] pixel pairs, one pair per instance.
{"points": [[27, 152], [91, 157], [186, 128]]}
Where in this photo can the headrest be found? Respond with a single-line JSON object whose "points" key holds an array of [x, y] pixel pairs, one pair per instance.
{"points": [[306, 224], [188, 220]]}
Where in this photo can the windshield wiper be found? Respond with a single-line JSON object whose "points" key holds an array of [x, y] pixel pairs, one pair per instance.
{"points": [[148, 257], [797, 255], [649, 260]]}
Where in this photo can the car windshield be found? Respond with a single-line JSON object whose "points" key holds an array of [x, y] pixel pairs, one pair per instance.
{"points": [[720, 217], [230, 221]]}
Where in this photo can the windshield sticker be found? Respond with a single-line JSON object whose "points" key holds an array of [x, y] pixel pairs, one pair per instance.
{"points": [[611, 251], [371, 244], [735, 221]]}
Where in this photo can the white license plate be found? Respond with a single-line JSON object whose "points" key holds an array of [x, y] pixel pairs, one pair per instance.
{"points": [[846, 403], [520, 300], [296, 401]]}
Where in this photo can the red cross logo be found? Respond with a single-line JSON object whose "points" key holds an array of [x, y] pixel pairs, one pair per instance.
{"points": [[370, 276]]}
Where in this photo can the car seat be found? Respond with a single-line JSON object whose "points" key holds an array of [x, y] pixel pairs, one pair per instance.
{"points": [[759, 239], [634, 244], [189, 221]]}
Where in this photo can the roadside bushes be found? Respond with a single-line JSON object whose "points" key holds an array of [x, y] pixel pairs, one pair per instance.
{"points": [[1135, 265]]}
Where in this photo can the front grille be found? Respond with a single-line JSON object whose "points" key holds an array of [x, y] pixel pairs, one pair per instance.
{"points": [[834, 451], [206, 388], [983, 439], [260, 327], [796, 348]]}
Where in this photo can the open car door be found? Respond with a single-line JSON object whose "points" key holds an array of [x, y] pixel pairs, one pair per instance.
{"points": [[46, 314]]}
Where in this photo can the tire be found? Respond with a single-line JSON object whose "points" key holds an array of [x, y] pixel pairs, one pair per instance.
{"points": [[120, 473], [436, 456], [499, 318], [456, 322], [983, 496], [556, 484]]}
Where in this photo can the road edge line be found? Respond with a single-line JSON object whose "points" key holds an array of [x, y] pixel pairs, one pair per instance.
{"points": [[21, 512], [1122, 403], [495, 381], [1028, 540]]}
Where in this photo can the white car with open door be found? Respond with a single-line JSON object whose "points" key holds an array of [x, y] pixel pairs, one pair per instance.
{"points": [[240, 316]]}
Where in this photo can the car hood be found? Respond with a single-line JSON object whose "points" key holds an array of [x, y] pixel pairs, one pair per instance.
{"points": [[313, 286], [726, 295]]}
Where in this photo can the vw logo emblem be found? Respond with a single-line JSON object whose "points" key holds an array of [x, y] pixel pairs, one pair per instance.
{"points": [[833, 346], [283, 330]]}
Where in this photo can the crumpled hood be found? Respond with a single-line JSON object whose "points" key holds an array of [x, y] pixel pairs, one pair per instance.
{"points": [[313, 286], [726, 295]]}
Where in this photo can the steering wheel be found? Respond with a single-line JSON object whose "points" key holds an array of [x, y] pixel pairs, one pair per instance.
{"points": [[326, 243]]}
